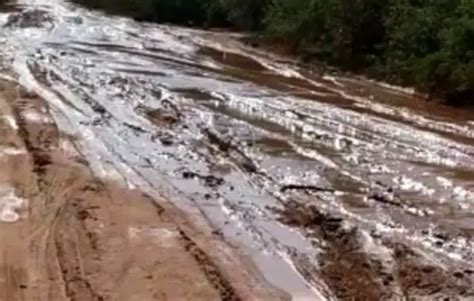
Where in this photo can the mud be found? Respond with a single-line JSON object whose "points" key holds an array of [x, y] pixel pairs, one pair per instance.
{"points": [[81, 238], [354, 274], [326, 186], [31, 18]]}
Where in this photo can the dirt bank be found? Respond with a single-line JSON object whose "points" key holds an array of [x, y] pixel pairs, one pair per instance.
{"points": [[67, 235]]}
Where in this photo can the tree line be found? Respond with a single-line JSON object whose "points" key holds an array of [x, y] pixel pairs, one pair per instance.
{"points": [[428, 44]]}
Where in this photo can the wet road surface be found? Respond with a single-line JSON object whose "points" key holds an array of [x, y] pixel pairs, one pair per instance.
{"points": [[335, 187]]}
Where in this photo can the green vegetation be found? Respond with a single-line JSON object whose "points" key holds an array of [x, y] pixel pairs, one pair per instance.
{"points": [[428, 44], [431, 44]]}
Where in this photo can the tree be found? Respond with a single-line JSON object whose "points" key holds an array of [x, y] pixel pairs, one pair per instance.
{"points": [[428, 44]]}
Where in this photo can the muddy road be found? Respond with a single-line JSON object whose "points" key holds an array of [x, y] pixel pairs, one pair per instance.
{"points": [[67, 235], [333, 187]]}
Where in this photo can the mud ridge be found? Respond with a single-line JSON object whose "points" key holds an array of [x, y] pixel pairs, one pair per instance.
{"points": [[346, 269], [228, 148], [307, 188], [417, 277], [40, 142], [354, 274], [209, 180], [212, 273]]}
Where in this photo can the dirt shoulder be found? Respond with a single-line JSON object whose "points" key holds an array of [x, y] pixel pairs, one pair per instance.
{"points": [[67, 235]]}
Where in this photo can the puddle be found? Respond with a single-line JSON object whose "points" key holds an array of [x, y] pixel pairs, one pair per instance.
{"points": [[10, 206]]}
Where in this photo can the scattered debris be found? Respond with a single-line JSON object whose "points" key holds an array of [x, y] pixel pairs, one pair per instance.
{"points": [[307, 188], [209, 180]]}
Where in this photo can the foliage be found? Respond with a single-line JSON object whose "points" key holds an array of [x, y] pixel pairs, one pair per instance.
{"points": [[425, 43], [431, 44], [347, 32]]}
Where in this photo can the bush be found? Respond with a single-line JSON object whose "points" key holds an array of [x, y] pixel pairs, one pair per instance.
{"points": [[424, 43], [189, 12], [243, 14], [430, 44], [346, 32]]}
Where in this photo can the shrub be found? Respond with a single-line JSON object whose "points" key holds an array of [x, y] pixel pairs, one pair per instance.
{"points": [[428, 44]]}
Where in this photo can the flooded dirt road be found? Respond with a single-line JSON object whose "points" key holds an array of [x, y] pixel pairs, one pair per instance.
{"points": [[67, 235], [334, 187]]}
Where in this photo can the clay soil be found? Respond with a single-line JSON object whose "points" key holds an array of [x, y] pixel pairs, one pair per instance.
{"points": [[67, 235]]}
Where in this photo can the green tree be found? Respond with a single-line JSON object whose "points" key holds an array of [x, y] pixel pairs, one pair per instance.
{"points": [[428, 44], [350, 32], [244, 14]]}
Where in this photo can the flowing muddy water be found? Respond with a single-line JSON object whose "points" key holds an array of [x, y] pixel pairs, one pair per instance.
{"points": [[335, 187]]}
